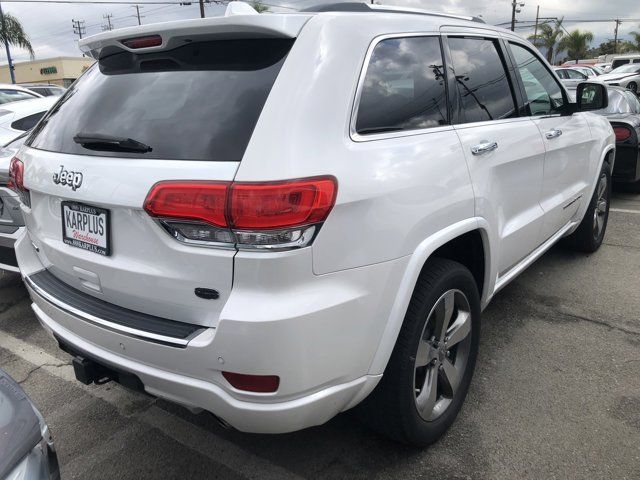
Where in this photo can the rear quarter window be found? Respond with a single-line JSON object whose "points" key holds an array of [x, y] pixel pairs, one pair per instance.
{"points": [[200, 101]]}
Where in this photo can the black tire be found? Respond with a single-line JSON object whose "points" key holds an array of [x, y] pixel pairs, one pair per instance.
{"points": [[586, 238], [633, 86], [392, 409]]}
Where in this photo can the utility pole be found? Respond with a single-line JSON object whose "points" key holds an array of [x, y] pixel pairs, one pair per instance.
{"points": [[137, 7], [78, 28], [6, 46], [201, 8], [108, 26], [514, 10], [535, 32], [615, 41]]}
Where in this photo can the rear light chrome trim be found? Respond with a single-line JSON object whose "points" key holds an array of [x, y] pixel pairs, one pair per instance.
{"points": [[114, 327]]}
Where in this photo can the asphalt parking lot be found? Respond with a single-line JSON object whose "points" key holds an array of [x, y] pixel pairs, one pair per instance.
{"points": [[556, 393]]}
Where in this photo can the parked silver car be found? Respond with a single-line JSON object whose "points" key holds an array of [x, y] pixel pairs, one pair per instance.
{"points": [[11, 221], [27, 451]]}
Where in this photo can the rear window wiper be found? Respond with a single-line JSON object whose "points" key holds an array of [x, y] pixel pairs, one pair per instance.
{"points": [[109, 143]]}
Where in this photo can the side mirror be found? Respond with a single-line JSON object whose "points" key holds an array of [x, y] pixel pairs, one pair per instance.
{"points": [[592, 96]]}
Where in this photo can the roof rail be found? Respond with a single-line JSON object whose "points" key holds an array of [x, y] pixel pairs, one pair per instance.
{"points": [[365, 7]]}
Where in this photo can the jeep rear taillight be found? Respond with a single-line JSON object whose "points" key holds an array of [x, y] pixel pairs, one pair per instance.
{"points": [[16, 180], [265, 215], [16, 175]]}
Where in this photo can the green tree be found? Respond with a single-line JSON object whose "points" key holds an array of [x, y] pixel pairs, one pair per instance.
{"points": [[13, 33], [548, 37], [259, 7], [576, 44], [635, 40]]}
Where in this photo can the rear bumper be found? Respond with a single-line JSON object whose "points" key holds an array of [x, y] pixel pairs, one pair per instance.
{"points": [[11, 227], [8, 237], [627, 165], [322, 348]]}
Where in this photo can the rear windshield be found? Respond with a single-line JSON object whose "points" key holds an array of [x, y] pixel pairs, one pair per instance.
{"points": [[196, 102]]}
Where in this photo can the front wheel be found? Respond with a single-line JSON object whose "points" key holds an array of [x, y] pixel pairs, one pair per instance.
{"points": [[429, 372], [633, 86], [590, 234]]}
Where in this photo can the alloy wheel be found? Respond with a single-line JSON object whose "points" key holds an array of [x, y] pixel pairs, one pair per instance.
{"points": [[602, 201], [443, 353]]}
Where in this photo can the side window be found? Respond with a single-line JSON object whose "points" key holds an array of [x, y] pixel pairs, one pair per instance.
{"points": [[481, 80], [576, 75], [404, 87], [27, 123], [544, 94], [562, 74]]}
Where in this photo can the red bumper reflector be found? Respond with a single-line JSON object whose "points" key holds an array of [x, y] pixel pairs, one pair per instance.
{"points": [[622, 133], [253, 383]]}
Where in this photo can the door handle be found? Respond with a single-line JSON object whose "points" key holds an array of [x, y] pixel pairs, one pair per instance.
{"points": [[553, 133], [484, 147]]}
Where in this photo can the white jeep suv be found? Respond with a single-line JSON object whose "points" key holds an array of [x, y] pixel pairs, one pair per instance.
{"points": [[279, 217]]}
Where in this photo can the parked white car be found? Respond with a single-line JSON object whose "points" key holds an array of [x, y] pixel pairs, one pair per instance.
{"points": [[19, 117], [45, 90], [242, 215], [624, 60], [626, 76], [14, 93]]}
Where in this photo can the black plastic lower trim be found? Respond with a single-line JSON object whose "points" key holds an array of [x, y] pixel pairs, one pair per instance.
{"points": [[108, 312], [8, 257]]}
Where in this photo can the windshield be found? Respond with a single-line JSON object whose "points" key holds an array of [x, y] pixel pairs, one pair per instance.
{"points": [[628, 68], [200, 101]]}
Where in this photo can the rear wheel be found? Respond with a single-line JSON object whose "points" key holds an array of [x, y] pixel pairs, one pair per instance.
{"points": [[633, 86], [428, 375], [590, 234]]}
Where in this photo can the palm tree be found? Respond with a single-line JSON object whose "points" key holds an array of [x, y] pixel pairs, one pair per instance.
{"points": [[636, 40], [576, 44], [548, 37], [259, 7], [13, 33]]}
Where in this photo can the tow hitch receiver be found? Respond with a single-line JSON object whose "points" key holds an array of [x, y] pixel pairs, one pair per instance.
{"points": [[87, 371]]}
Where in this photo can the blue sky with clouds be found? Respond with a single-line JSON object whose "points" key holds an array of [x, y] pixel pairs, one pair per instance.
{"points": [[50, 30]]}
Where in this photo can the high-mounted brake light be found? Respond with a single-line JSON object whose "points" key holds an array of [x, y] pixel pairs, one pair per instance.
{"points": [[265, 215], [622, 133], [142, 42]]}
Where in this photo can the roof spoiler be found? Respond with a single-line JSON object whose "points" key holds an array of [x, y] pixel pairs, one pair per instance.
{"points": [[240, 21], [365, 7]]}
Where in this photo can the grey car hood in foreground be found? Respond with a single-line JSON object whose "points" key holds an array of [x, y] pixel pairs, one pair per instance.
{"points": [[19, 425]]}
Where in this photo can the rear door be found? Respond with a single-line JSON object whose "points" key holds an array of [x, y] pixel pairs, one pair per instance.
{"points": [[567, 140], [131, 121], [504, 152]]}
